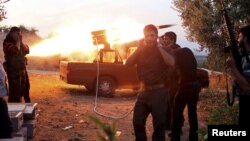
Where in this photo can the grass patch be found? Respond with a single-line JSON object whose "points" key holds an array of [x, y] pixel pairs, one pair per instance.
{"points": [[221, 113], [225, 114]]}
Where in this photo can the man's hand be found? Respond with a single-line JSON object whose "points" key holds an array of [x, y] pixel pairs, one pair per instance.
{"points": [[141, 44], [161, 41], [167, 57], [25, 48], [5, 98]]}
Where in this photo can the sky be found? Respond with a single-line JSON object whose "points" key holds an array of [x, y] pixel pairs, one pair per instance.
{"points": [[48, 15]]}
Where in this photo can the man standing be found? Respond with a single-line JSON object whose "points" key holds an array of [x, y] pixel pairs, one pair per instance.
{"points": [[187, 94], [243, 80], [152, 61], [5, 123], [15, 64], [168, 41]]}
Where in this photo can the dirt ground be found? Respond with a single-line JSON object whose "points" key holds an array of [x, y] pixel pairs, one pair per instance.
{"points": [[61, 105]]}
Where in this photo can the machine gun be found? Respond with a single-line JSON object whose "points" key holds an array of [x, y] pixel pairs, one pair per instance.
{"points": [[234, 51]]}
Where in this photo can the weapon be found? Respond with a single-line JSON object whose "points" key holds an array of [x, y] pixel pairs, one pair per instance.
{"points": [[164, 26], [233, 50]]}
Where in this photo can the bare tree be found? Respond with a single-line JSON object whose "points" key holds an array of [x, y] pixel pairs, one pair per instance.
{"points": [[2, 9]]}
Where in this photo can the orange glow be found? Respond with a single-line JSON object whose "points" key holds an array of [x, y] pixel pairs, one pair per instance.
{"points": [[125, 30], [75, 42]]}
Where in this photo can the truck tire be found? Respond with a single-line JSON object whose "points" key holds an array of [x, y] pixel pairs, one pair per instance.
{"points": [[106, 86]]}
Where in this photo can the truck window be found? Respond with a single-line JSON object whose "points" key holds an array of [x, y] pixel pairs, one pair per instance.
{"points": [[108, 57]]}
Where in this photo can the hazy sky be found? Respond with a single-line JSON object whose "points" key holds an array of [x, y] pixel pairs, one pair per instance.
{"points": [[48, 15]]}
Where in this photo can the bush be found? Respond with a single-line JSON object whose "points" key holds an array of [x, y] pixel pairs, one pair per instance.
{"points": [[109, 131]]}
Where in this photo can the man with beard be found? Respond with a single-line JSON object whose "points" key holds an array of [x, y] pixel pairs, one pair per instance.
{"points": [[152, 62], [243, 80]]}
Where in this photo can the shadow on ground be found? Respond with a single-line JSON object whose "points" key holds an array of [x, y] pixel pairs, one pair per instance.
{"points": [[82, 91]]}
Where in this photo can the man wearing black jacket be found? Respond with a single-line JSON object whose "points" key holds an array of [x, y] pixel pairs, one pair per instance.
{"points": [[152, 62], [187, 94]]}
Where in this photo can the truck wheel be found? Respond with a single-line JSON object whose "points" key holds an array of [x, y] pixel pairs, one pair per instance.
{"points": [[106, 86]]}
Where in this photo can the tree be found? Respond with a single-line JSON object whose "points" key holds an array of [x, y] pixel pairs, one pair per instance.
{"points": [[204, 23], [2, 9]]}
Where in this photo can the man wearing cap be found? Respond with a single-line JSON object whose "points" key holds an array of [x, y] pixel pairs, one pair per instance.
{"points": [[152, 62], [188, 91], [168, 40]]}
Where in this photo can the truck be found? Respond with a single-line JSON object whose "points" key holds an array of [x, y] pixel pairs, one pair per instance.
{"points": [[107, 69], [111, 74]]}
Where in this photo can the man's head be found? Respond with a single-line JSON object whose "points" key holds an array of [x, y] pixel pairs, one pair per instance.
{"points": [[150, 34], [15, 33], [244, 37], [15, 29], [169, 38]]}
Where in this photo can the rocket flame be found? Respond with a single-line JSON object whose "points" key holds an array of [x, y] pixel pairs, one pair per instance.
{"points": [[75, 42]]}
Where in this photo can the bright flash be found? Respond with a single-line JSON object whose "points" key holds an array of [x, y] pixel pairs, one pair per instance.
{"points": [[76, 41]]}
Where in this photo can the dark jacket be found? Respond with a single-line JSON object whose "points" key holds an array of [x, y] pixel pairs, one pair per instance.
{"points": [[14, 57]]}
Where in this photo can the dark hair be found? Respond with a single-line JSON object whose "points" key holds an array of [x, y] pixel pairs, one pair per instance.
{"points": [[246, 32], [150, 27], [8, 37], [171, 35], [15, 29]]}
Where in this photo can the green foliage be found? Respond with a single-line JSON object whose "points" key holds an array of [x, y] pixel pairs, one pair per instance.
{"points": [[203, 132], [224, 114], [221, 113], [204, 24], [108, 130]]}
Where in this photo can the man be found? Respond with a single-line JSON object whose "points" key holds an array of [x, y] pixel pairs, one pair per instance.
{"points": [[5, 123], [187, 94], [152, 61], [243, 80], [168, 41], [15, 65]]}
